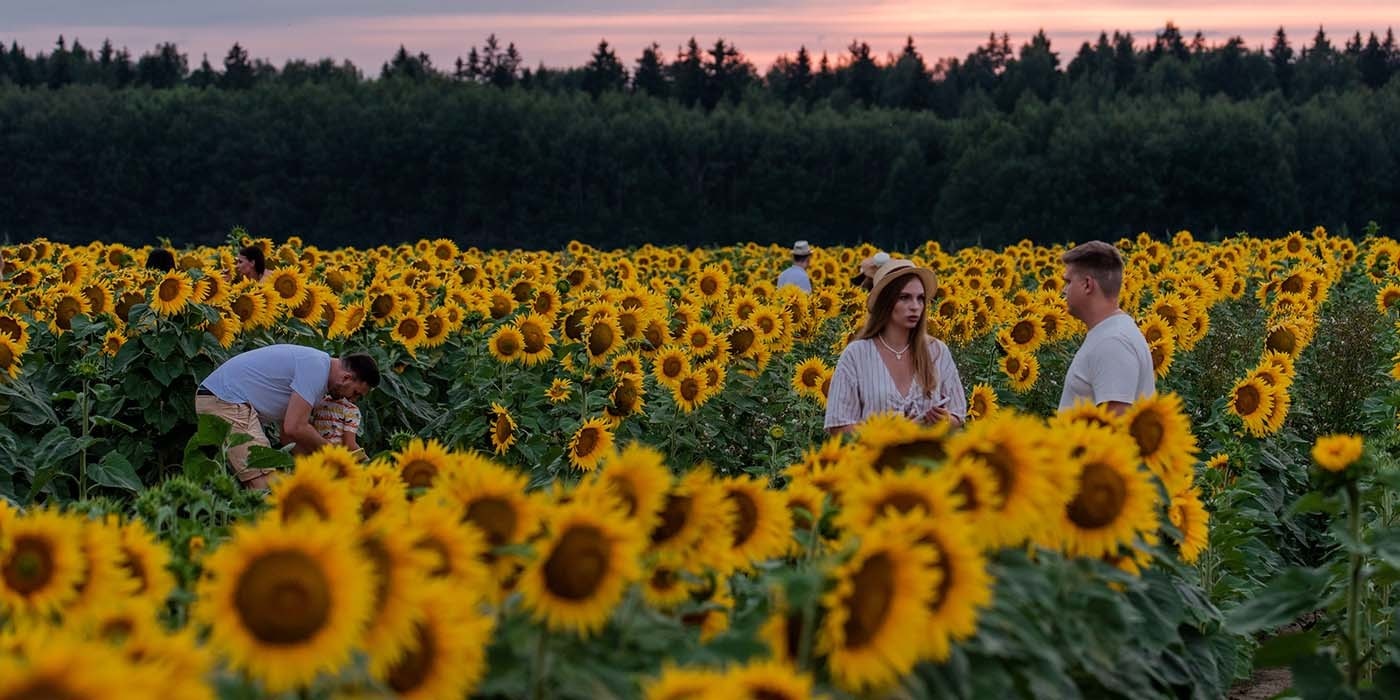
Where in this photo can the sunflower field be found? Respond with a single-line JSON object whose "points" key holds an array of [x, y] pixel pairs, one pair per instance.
{"points": [[603, 474]]}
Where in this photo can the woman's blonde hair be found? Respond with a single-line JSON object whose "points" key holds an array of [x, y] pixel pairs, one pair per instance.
{"points": [[879, 317]]}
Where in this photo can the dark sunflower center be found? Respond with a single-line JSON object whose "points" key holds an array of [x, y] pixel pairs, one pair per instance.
{"points": [[741, 340], [503, 428], [68, 307], [690, 389], [244, 307], [303, 500], [383, 305], [383, 564], [1148, 430], [44, 688], [169, 290], [135, 568], [600, 339], [1013, 365], [418, 473], [507, 345], [495, 517], [435, 326], [534, 337], [1281, 340], [587, 441], [30, 565], [417, 665], [283, 598], [664, 579], [673, 519], [7, 357], [409, 328], [900, 455], [811, 376], [579, 563], [1102, 492], [627, 493], [1247, 400], [671, 366], [1003, 466], [1022, 332], [868, 605], [746, 517]]}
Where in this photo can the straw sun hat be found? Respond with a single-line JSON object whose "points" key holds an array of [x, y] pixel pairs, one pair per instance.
{"points": [[895, 271]]}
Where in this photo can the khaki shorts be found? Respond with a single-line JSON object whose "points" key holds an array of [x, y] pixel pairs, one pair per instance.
{"points": [[242, 420]]}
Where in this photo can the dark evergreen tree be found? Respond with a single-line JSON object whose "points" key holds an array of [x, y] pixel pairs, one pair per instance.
{"points": [[604, 73], [238, 70], [1373, 63], [649, 78], [862, 73], [205, 76], [163, 69], [907, 81], [688, 74], [1281, 56]]}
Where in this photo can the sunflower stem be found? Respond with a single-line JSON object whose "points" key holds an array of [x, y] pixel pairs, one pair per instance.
{"points": [[82, 456], [1353, 639], [537, 685]]}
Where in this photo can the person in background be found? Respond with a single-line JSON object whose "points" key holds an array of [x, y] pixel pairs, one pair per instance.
{"points": [[279, 385], [337, 419], [1113, 367], [865, 279], [797, 274], [250, 264], [893, 364], [160, 259]]}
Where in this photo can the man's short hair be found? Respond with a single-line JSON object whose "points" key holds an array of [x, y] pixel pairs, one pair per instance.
{"points": [[1100, 261], [364, 368]]}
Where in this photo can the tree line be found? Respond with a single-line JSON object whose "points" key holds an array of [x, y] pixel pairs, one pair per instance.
{"points": [[1126, 138]]}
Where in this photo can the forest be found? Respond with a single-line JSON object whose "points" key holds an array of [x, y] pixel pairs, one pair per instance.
{"points": [[699, 146]]}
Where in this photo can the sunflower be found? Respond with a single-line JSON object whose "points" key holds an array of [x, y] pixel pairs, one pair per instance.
{"points": [[1022, 369], [53, 664], [146, 562], [411, 331], [381, 493], [421, 462], [313, 490], [103, 577], [1026, 335], [1387, 298], [502, 428], [680, 684], [602, 339], [583, 569], [446, 656], [877, 611], [42, 564], [436, 326], [507, 344], [807, 378], [559, 390], [712, 283], [65, 301], [638, 477], [252, 306], [670, 365], [897, 492], [690, 392], [664, 587], [626, 398], [10, 358], [1334, 453], [762, 526], [285, 603], [693, 501], [492, 498], [1251, 400], [982, 402], [711, 603], [890, 441], [963, 588], [112, 343], [1163, 351], [535, 338], [1008, 444], [1188, 515], [398, 571], [590, 444], [763, 680], [1085, 410], [172, 294], [15, 329], [1114, 500], [1164, 440], [455, 551], [99, 298]]}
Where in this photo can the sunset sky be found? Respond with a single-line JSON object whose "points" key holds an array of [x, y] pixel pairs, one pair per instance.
{"points": [[563, 32]]}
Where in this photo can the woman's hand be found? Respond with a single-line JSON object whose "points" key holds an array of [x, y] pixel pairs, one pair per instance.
{"points": [[940, 413]]}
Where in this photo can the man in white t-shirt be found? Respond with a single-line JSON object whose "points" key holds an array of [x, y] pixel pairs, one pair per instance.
{"points": [[797, 274], [1113, 366]]}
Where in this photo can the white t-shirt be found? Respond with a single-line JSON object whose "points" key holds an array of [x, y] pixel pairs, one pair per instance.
{"points": [[861, 386], [796, 277], [1113, 364]]}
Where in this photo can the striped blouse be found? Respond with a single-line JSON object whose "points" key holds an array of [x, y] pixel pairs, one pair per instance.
{"points": [[862, 386]]}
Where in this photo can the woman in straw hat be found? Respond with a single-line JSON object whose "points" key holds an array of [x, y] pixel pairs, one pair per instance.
{"points": [[893, 364]]}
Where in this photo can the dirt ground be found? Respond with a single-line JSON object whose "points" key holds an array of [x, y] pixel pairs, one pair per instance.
{"points": [[1266, 683]]}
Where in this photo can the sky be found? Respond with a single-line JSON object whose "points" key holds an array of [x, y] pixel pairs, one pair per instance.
{"points": [[564, 32]]}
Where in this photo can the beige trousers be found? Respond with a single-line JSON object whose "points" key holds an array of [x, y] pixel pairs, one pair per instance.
{"points": [[242, 420]]}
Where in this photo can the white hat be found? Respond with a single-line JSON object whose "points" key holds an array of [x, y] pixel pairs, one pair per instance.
{"points": [[869, 265], [801, 248]]}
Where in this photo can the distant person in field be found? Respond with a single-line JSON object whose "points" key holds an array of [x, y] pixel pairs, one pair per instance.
{"points": [[893, 365], [160, 259], [1113, 366], [865, 279], [280, 385], [250, 264], [797, 274], [337, 419]]}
